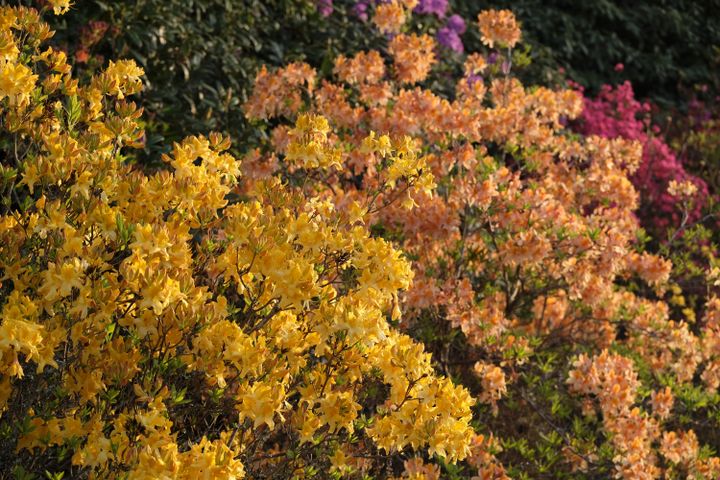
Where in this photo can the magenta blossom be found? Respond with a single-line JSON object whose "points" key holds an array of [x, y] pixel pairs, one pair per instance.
{"points": [[325, 7], [360, 9], [616, 113], [435, 7], [449, 38]]}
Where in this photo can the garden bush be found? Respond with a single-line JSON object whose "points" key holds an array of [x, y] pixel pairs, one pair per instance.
{"points": [[200, 56], [530, 277], [665, 47], [161, 326], [616, 113], [408, 266]]}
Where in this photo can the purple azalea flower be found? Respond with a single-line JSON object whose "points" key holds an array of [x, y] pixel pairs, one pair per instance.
{"points": [[360, 10], [473, 78], [436, 7], [457, 24], [492, 58], [325, 7], [449, 38]]}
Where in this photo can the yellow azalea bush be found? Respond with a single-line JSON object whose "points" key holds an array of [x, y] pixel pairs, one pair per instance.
{"points": [[184, 323], [530, 282]]}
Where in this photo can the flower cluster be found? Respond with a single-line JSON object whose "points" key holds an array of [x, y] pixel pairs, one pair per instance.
{"points": [[527, 244], [390, 16], [175, 325], [612, 381], [615, 113], [499, 27]]}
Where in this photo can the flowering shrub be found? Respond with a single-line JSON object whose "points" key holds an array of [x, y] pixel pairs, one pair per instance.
{"points": [[391, 16], [696, 136], [529, 283], [666, 47], [171, 325], [400, 281], [200, 57], [616, 113]]}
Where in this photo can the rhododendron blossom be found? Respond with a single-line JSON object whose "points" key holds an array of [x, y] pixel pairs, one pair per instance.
{"points": [[615, 113], [528, 243]]}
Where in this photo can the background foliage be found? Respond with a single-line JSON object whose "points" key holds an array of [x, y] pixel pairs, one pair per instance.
{"points": [[665, 46], [200, 56]]}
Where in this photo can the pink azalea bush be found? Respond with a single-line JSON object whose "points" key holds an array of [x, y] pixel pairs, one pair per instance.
{"points": [[615, 112]]}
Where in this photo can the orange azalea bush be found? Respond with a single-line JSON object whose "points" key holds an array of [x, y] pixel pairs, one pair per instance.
{"points": [[180, 324], [530, 285]]}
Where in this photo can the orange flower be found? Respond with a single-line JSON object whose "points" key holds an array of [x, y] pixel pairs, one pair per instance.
{"points": [[389, 17], [679, 447], [662, 402], [365, 67], [279, 93], [499, 26], [413, 56]]}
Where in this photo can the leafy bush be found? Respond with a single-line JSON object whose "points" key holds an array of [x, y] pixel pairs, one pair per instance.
{"points": [[200, 56], [696, 136], [162, 326], [665, 47], [415, 269], [531, 286], [616, 113]]}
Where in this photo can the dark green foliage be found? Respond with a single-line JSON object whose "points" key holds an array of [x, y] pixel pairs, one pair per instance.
{"points": [[201, 56], [664, 45]]}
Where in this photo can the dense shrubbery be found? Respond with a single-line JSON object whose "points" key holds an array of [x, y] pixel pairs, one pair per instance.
{"points": [[666, 47], [200, 56], [524, 253], [696, 138], [616, 113], [198, 72], [157, 326], [415, 269]]}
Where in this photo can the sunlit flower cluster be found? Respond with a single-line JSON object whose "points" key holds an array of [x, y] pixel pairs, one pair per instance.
{"points": [[528, 244], [499, 27], [616, 113], [177, 325], [413, 274]]}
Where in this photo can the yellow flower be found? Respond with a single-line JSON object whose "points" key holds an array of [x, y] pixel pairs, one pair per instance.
{"points": [[338, 410], [60, 6], [159, 293], [260, 402], [122, 78], [309, 145], [339, 462], [30, 177], [16, 82]]}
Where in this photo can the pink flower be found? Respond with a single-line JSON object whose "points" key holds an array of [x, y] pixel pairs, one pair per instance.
{"points": [[616, 113]]}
